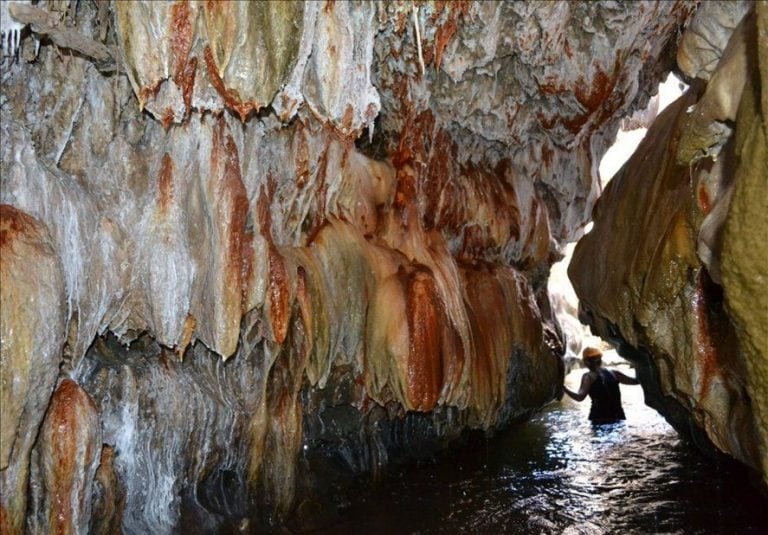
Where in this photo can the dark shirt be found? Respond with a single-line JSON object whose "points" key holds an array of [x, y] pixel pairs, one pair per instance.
{"points": [[606, 399]]}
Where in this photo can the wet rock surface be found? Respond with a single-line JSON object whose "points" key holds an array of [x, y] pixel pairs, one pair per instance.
{"points": [[673, 297], [285, 245]]}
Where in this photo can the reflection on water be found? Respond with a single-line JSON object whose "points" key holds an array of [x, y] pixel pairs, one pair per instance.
{"points": [[559, 474]]}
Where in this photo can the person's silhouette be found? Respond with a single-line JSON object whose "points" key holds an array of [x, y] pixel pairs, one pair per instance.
{"points": [[602, 386]]}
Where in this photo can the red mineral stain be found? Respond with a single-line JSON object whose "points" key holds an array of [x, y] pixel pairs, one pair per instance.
{"points": [[65, 429], [508, 201], [425, 327], [184, 68], [167, 119], [231, 99], [14, 223], [567, 49], [181, 35], [165, 183], [278, 293], [486, 305], [186, 336], [346, 120], [453, 357], [443, 36], [5, 522], [186, 81], [437, 179], [546, 156], [224, 159], [704, 348], [705, 205], [594, 96], [401, 21], [262, 211], [149, 92], [546, 122], [550, 86]]}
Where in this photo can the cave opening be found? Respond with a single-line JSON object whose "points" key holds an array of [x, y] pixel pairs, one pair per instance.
{"points": [[258, 257]]}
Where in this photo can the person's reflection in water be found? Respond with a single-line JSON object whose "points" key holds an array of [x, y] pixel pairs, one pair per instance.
{"points": [[602, 386]]}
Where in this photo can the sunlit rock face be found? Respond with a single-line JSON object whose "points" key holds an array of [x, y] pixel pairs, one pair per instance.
{"points": [[686, 295], [258, 249]]}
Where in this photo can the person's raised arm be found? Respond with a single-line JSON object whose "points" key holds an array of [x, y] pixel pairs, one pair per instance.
{"points": [[586, 382], [625, 379]]}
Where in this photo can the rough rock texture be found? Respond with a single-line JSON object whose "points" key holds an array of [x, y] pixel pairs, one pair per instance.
{"points": [[708, 34], [745, 265], [32, 322], [297, 241], [687, 295], [65, 461]]}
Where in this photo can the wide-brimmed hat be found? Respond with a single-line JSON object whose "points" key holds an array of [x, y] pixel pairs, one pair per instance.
{"points": [[592, 353]]}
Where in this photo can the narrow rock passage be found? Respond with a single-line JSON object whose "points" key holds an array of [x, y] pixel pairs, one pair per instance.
{"points": [[558, 474]]}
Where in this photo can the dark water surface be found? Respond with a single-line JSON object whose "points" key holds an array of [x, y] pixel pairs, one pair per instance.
{"points": [[558, 474]]}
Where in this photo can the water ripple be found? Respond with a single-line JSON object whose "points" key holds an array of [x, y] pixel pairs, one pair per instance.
{"points": [[558, 474]]}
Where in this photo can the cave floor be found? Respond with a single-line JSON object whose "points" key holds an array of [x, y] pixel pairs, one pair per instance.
{"points": [[558, 474]]}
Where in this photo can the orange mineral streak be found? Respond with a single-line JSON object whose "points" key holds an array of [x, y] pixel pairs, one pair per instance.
{"points": [[186, 336], [487, 310], [165, 184], [167, 119], [186, 81], [5, 523], [149, 92], [184, 67], [329, 6], [599, 96], [705, 349], [595, 97], [64, 429], [278, 295], [233, 197], [426, 321], [181, 35], [263, 212], [347, 118], [445, 32], [231, 99], [702, 197], [592, 96], [567, 49], [13, 224], [546, 156], [440, 192]]}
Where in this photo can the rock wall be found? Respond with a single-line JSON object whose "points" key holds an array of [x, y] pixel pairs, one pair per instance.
{"points": [[686, 296], [253, 250]]}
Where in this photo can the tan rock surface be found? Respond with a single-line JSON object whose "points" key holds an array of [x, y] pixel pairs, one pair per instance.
{"points": [[32, 306]]}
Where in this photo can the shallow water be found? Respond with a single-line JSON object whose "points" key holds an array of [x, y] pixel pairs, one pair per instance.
{"points": [[558, 474]]}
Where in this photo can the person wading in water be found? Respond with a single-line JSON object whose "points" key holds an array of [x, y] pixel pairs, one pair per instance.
{"points": [[602, 386]]}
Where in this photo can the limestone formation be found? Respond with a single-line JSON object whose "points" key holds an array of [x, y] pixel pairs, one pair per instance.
{"points": [[686, 296], [32, 322], [275, 246]]}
